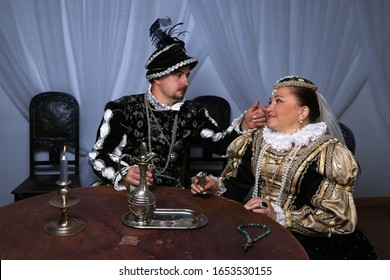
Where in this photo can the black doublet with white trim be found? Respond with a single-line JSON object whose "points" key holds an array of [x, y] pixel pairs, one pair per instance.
{"points": [[125, 125]]}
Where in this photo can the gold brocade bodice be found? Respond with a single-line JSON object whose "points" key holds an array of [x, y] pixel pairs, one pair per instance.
{"points": [[279, 173], [273, 175]]}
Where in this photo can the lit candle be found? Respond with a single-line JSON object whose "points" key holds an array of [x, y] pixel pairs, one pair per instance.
{"points": [[64, 166]]}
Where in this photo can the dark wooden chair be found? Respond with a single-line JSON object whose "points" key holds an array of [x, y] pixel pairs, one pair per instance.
{"points": [[202, 158], [54, 123], [349, 137]]}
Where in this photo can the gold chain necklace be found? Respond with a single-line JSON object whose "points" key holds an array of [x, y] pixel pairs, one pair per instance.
{"points": [[289, 158], [278, 166]]}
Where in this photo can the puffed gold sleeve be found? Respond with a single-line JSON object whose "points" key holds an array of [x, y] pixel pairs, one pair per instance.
{"points": [[236, 151], [332, 209]]}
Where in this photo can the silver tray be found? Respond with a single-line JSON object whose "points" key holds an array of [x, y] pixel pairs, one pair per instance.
{"points": [[169, 219]]}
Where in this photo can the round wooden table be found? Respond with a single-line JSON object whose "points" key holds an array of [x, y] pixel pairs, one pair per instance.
{"points": [[22, 234]]}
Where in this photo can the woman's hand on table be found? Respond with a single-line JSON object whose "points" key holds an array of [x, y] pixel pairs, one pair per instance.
{"points": [[261, 206]]}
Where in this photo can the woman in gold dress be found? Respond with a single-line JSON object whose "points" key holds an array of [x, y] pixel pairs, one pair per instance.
{"points": [[298, 171]]}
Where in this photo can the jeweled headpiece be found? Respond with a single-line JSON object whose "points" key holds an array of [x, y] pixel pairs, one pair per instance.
{"points": [[170, 54], [295, 81], [326, 112]]}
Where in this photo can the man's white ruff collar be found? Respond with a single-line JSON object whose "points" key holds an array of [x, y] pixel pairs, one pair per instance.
{"points": [[158, 106], [283, 142]]}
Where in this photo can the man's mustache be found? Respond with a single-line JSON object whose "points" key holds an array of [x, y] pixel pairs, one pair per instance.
{"points": [[183, 89]]}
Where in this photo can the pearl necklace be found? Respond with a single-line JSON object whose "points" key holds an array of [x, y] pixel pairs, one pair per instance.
{"points": [[258, 171], [283, 142], [284, 176], [290, 159]]}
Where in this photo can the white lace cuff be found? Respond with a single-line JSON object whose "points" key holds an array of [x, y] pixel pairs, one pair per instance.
{"points": [[280, 215], [221, 186], [237, 123]]}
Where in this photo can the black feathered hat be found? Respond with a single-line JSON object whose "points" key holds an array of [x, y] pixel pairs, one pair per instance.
{"points": [[170, 54]]}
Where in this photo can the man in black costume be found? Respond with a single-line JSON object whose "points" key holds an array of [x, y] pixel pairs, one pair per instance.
{"points": [[162, 119]]}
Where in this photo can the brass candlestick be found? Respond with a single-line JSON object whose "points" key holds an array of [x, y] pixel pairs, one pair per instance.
{"points": [[64, 226]]}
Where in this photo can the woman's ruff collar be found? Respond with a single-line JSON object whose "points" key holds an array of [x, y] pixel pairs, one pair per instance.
{"points": [[283, 141]]}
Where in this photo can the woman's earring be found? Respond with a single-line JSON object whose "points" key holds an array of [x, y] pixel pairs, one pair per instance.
{"points": [[300, 123]]}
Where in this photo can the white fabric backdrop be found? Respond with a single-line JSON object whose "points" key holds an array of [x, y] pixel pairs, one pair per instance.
{"points": [[96, 50]]}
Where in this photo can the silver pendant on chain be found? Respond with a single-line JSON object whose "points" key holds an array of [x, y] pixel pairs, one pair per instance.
{"points": [[173, 156], [161, 138]]}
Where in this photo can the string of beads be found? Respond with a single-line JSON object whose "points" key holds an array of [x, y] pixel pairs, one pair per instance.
{"points": [[249, 240]]}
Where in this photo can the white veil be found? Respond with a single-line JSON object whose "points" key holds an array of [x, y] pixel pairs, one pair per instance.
{"points": [[327, 116]]}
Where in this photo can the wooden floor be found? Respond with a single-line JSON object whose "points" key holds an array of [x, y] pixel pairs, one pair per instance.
{"points": [[374, 221]]}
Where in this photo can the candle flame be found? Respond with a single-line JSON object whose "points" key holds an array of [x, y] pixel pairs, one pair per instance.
{"points": [[64, 149]]}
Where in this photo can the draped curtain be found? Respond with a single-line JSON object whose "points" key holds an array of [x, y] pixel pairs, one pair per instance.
{"points": [[96, 51]]}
